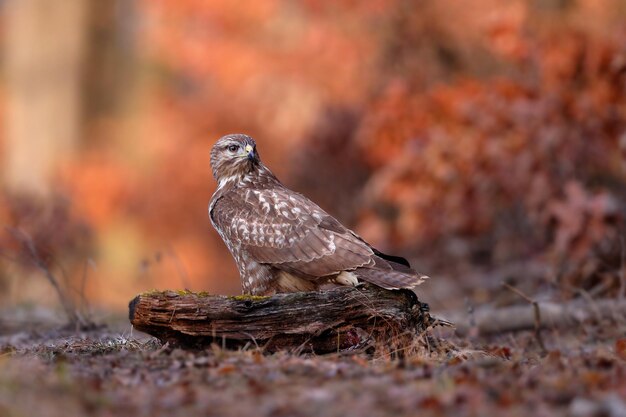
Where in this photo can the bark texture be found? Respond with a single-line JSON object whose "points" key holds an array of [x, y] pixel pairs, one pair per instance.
{"points": [[321, 322]]}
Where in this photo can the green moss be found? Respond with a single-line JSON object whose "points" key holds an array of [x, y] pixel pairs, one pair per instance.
{"points": [[152, 293], [246, 297]]}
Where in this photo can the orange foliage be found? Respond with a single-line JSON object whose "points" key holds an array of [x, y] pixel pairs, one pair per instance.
{"points": [[491, 159], [485, 134], [103, 184]]}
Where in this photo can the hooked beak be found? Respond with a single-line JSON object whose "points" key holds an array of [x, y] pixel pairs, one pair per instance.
{"points": [[249, 152]]}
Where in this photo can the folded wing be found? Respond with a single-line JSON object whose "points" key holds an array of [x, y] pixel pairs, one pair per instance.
{"points": [[284, 229]]}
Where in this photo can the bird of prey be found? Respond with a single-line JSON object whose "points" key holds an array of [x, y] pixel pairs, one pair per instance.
{"points": [[281, 240]]}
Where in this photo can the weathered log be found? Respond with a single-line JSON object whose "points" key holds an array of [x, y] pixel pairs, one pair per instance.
{"points": [[489, 320], [321, 322]]}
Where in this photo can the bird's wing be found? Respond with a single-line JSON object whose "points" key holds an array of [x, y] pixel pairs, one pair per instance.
{"points": [[282, 228]]}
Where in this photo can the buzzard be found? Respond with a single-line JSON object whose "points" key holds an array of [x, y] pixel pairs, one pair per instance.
{"points": [[281, 240]]}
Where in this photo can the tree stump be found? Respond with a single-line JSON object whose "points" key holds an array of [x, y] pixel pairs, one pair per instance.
{"points": [[321, 322]]}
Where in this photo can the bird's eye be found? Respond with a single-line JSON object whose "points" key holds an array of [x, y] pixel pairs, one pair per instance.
{"points": [[233, 148]]}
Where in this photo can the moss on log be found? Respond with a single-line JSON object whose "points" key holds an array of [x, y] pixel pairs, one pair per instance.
{"points": [[320, 322]]}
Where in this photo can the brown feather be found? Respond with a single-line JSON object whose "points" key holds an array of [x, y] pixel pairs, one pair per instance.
{"points": [[279, 236]]}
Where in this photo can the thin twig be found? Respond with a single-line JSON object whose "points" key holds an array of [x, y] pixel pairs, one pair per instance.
{"points": [[621, 295], [180, 267], [27, 242], [537, 313]]}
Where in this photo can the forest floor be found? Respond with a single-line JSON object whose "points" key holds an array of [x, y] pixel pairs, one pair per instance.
{"points": [[45, 371]]}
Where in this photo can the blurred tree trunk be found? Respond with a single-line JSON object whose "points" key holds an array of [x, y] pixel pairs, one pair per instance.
{"points": [[44, 54], [65, 63], [110, 61]]}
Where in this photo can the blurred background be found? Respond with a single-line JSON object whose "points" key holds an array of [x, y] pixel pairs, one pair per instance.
{"points": [[483, 141]]}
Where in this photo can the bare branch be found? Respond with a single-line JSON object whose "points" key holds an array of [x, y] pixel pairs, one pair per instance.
{"points": [[523, 317], [75, 318]]}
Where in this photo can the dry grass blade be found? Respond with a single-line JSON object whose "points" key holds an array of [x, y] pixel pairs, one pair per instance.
{"points": [[34, 258]]}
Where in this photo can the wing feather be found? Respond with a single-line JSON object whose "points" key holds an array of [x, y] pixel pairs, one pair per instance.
{"points": [[285, 229]]}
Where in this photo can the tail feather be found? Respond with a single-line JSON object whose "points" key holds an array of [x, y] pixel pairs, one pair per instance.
{"points": [[390, 279], [392, 258]]}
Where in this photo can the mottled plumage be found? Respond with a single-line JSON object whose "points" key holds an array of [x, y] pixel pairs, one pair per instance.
{"points": [[282, 241]]}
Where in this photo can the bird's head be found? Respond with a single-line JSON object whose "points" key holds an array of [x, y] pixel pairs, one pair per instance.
{"points": [[234, 156]]}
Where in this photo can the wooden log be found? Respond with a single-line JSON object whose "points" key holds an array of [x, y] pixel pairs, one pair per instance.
{"points": [[320, 322], [489, 320]]}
